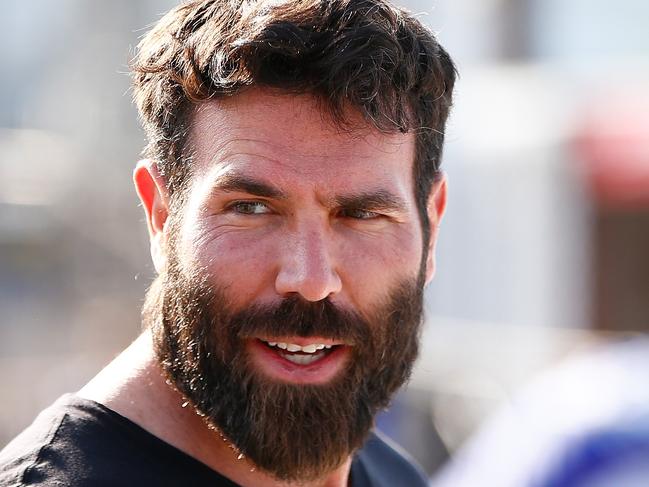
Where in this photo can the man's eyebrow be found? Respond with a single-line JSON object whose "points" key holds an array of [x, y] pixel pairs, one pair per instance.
{"points": [[239, 183], [377, 200]]}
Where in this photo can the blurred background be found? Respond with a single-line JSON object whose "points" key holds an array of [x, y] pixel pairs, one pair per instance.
{"points": [[543, 252]]}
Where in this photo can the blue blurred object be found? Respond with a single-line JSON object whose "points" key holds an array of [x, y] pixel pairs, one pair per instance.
{"points": [[582, 424], [614, 456]]}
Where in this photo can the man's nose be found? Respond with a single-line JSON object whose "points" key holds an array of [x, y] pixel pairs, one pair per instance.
{"points": [[307, 266]]}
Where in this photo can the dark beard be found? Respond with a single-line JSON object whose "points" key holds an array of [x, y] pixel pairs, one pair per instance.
{"points": [[294, 432]]}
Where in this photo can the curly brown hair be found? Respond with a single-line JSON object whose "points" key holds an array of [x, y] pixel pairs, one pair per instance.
{"points": [[366, 54]]}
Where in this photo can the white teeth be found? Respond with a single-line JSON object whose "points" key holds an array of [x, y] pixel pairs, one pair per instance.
{"points": [[293, 347], [302, 359]]}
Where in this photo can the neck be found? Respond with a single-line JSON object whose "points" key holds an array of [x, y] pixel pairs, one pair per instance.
{"points": [[133, 386]]}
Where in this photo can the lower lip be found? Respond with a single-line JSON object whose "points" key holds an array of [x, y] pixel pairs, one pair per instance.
{"points": [[271, 363]]}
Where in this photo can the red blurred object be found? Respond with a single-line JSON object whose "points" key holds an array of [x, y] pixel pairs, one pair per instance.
{"points": [[612, 145]]}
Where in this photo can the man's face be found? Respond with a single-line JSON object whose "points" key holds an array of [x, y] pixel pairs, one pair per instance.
{"points": [[288, 308]]}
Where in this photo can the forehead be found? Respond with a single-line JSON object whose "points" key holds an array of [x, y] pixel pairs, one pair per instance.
{"points": [[290, 139]]}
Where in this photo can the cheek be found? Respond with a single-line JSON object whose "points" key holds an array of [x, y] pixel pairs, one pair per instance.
{"points": [[240, 261], [371, 266]]}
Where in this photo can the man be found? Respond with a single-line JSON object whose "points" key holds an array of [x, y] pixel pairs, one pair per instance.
{"points": [[292, 194]]}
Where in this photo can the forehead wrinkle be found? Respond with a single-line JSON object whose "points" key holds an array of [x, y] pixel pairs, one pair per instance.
{"points": [[285, 155], [318, 146], [287, 148]]}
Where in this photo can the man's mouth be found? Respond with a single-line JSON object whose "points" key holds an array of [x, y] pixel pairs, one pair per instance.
{"points": [[300, 354], [299, 359]]}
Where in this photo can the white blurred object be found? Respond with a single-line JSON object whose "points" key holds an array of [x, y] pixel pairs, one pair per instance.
{"points": [[37, 168], [514, 245]]}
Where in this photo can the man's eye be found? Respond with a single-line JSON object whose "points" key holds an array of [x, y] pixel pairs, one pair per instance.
{"points": [[359, 214], [249, 207]]}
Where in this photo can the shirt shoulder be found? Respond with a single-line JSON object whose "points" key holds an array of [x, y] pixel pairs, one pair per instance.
{"points": [[382, 463], [76, 442], [20, 457]]}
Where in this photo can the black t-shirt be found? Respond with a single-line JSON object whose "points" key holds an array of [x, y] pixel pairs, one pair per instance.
{"points": [[81, 443]]}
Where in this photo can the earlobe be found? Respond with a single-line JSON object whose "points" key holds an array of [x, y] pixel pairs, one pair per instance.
{"points": [[152, 191], [436, 208]]}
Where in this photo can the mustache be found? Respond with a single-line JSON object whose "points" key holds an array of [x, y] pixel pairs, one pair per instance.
{"points": [[294, 316]]}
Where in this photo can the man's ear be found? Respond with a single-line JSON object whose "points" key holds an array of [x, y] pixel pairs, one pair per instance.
{"points": [[436, 207], [152, 190]]}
